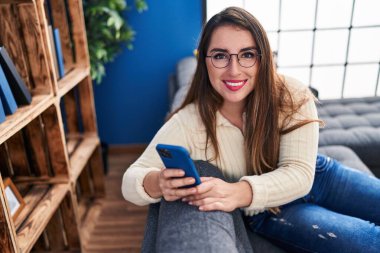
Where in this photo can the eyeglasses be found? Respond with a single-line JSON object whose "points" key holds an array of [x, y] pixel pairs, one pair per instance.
{"points": [[246, 59]]}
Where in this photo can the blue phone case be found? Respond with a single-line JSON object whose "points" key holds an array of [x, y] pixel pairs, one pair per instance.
{"points": [[178, 157]]}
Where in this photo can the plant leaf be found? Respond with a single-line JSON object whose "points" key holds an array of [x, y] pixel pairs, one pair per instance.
{"points": [[108, 31]]}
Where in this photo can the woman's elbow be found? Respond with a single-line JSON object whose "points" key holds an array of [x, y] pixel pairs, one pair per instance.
{"points": [[131, 190], [124, 187], [308, 181]]}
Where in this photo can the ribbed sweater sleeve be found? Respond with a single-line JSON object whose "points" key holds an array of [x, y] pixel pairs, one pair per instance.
{"points": [[295, 173], [132, 185]]}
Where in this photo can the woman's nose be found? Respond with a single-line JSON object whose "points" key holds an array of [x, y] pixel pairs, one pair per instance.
{"points": [[234, 66]]}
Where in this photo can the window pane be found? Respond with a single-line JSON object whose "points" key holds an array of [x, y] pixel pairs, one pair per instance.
{"points": [[328, 81], [366, 12], [297, 14], [273, 38], [327, 13], [361, 80], [364, 45], [295, 48], [301, 74], [267, 12], [330, 46], [215, 6]]}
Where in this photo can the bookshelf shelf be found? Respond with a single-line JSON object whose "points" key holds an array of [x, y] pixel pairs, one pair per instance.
{"points": [[50, 148], [24, 115], [81, 155], [34, 225], [71, 79], [87, 213], [32, 199]]}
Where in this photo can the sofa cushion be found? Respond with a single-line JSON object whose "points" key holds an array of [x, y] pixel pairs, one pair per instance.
{"points": [[179, 83], [355, 123], [346, 156], [185, 71], [179, 97]]}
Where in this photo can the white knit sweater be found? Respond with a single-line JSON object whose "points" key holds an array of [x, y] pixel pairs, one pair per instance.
{"points": [[291, 180]]}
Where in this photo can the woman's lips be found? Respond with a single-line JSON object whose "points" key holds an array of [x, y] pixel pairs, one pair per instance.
{"points": [[234, 85]]}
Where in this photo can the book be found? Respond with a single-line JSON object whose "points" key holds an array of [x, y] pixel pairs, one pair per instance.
{"points": [[58, 49], [7, 99], [2, 112], [17, 85], [52, 50]]}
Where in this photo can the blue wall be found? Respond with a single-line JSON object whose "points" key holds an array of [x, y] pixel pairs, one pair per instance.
{"points": [[132, 101]]}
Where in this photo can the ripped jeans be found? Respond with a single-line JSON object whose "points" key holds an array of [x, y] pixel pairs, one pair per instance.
{"points": [[340, 214]]}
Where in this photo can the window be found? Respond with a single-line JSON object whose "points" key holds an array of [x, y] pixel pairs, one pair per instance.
{"points": [[331, 45]]}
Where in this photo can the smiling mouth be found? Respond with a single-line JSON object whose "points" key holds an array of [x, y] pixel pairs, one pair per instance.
{"points": [[234, 85]]}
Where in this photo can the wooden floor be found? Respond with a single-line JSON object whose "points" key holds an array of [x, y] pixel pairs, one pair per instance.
{"points": [[120, 225]]}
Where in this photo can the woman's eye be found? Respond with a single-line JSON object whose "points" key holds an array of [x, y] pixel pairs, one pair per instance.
{"points": [[248, 55], [219, 56]]}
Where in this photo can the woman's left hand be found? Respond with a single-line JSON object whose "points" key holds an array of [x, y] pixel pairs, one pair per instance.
{"points": [[215, 194]]}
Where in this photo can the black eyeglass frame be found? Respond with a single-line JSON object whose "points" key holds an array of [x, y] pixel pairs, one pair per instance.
{"points": [[229, 60]]}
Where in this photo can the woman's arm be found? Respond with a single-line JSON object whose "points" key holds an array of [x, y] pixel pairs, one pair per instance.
{"points": [[151, 184], [295, 173], [140, 183]]}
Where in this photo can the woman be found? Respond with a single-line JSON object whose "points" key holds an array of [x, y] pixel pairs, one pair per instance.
{"points": [[254, 135]]}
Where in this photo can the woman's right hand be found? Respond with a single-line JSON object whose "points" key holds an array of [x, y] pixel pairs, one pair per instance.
{"points": [[170, 182]]}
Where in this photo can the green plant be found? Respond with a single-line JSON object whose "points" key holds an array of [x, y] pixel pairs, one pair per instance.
{"points": [[107, 31]]}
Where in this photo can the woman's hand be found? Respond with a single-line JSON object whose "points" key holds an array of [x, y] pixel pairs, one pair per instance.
{"points": [[170, 182], [216, 194]]}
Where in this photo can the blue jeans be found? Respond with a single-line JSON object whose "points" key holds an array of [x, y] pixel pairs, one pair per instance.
{"points": [[340, 214]]}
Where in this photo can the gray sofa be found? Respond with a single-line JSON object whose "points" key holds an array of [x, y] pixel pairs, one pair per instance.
{"points": [[351, 134]]}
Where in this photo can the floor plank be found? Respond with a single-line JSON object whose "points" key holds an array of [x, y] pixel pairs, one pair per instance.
{"points": [[120, 224]]}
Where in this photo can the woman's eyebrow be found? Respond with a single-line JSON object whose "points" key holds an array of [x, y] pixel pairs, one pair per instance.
{"points": [[225, 50], [248, 48], [218, 50]]}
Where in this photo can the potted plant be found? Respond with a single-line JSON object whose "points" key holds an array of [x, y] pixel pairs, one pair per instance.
{"points": [[107, 31]]}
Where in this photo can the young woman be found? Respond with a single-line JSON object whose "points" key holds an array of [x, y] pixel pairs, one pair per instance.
{"points": [[254, 136]]}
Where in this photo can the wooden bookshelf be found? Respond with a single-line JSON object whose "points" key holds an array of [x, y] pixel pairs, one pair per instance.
{"points": [[50, 149]]}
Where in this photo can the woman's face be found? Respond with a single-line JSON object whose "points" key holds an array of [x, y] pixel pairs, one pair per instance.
{"points": [[233, 82]]}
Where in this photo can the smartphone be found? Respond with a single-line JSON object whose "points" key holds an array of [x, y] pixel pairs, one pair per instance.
{"points": [[177, 157]]}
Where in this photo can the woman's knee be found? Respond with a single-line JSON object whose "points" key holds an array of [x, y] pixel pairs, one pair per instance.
{"points": [[206, 169]]}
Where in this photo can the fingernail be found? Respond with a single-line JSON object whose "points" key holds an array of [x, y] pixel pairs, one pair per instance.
{"points": [[184, 199], [201, 208], [190, 203]]}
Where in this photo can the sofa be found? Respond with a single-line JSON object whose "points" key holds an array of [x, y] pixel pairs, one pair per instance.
{"points": [[351, 134]]}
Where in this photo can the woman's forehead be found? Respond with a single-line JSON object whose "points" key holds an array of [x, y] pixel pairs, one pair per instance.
{"points": [[230, 37]]}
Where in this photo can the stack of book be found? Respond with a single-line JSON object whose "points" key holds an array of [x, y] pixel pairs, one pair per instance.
{"points": [[13, 91]]}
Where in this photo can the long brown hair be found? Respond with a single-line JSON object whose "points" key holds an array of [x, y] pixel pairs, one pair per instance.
{"points": [[264, 104]]}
